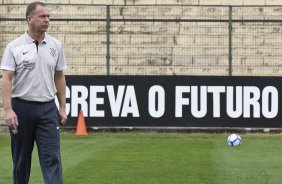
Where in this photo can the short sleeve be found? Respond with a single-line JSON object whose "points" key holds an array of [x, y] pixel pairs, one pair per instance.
{"points": [[61, 63], [8, 60]]}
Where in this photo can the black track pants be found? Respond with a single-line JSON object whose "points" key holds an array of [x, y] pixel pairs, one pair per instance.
{"points": [[38, 122]]}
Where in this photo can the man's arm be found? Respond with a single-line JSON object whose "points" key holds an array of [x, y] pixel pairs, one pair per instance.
{"points": [[10, 116], [60, 84]]}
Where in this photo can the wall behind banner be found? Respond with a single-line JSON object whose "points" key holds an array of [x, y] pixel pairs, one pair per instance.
{"points": [[160, 40], [151, 2]]}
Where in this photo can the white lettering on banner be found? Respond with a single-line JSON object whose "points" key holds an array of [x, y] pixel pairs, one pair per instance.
{"points": [[179, 100], [199, 112], [247, 101], [130, 105], [250, 99], [95, 101], [68, 107], [239, 101], [79, 95], [270, 112], [216, 90], [156, 93], [237, 112], [121, 104], [115, 102]]}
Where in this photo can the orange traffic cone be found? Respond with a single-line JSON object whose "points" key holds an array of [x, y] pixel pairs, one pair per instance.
{"points": [[81, 128]]}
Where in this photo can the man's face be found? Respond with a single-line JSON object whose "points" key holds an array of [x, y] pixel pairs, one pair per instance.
{"points": [[39, 20]]}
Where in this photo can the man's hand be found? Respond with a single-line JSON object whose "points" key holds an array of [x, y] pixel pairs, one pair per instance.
{"points": [[10, 116], [11, 119], [63, 116], [60, 84]]}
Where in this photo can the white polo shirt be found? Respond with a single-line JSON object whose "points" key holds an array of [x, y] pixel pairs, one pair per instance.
{"points": [[34, 69]]}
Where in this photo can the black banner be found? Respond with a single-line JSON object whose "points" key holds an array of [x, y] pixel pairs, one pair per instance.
{"points": [[175, 101]]}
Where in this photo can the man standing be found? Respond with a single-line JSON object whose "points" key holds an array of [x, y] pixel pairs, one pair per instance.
{"points": [[33, 67]]}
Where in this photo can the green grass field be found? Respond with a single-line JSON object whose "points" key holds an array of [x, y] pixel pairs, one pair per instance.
{"points": [[160, 158]]}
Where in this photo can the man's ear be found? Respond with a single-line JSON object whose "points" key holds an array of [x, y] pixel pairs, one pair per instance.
{"points": [[28, 19]]}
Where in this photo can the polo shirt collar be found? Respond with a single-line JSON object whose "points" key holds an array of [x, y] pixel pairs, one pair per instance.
{"points": [[31, 40]]}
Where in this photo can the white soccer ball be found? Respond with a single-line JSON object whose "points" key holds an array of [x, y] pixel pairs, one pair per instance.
{"points": [[234, 140]]}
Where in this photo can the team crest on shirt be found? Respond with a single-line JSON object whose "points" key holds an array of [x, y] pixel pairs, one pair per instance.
{"points": [[53, 52]]}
